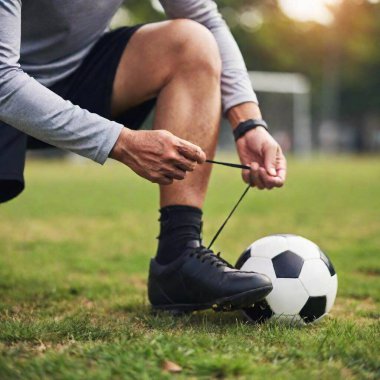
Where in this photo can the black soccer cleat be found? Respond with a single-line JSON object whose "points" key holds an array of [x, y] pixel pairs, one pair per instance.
{"points": [[199, 280]]}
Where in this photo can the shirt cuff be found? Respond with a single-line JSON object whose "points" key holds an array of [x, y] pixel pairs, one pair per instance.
{"points": [[113, 133], [244, 98]]}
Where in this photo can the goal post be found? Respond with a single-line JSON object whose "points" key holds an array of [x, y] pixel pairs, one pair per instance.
{"points": [[297, 86]]}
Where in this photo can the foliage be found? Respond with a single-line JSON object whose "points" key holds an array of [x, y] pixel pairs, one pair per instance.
{"points": [[346, 51]]}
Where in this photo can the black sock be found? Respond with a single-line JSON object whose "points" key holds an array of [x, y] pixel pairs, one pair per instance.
{"points": [[178, 226]]}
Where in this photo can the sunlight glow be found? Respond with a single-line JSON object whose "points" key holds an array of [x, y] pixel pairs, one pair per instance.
{"points": [[309, 10]]}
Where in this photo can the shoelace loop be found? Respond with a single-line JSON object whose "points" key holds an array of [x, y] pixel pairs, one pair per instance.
{"points": [[204, 254]]}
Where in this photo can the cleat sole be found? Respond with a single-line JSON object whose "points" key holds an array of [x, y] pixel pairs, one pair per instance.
{"points": [[231, 303]]}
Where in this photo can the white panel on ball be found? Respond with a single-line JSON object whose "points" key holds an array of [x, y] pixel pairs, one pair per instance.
{"points": [[316, 277], [331, 293], [279, 298], [260, 265], [303, 247], [269, 246]]}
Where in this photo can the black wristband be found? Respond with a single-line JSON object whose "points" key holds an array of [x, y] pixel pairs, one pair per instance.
{"points": [[247, 125]]}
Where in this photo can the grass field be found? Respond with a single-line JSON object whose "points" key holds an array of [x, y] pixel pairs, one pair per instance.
{"points": [[74, 253]]}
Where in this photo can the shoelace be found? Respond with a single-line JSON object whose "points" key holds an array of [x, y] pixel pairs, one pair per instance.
{"points": [[238, 166], [204, 254]]}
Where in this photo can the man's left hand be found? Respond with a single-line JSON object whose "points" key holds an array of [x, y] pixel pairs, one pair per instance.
{"points": [[259, 150]]}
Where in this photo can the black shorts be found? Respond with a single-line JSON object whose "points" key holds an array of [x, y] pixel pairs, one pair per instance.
{"points": [[89, 87]]}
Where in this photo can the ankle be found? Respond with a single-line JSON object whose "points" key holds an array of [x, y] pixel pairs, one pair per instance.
{"points": [[178, 225]]}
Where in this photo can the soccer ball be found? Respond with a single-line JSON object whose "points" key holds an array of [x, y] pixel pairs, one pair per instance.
{"points": [[304, 280]]}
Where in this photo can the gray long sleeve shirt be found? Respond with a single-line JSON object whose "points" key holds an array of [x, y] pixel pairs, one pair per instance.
{"points": [[43, 41]]}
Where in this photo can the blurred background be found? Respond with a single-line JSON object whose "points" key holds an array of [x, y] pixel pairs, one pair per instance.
{"points": [[314, 64], [315, 67]]}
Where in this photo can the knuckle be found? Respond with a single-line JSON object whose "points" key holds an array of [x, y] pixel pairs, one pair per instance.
{"points": [[171, 156], [163, 134], [271, 146], [160, 133]]}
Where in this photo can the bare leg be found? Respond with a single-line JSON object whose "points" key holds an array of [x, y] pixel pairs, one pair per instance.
{"points": [[177, 61]]}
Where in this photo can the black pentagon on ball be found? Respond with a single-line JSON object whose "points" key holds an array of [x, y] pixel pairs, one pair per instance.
{"points": [[243, 258], [314, 308], [260, 312], [287, 265], [328, 263]]}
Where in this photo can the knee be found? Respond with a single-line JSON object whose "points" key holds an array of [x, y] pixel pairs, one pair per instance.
{"points": [[193, 46]]}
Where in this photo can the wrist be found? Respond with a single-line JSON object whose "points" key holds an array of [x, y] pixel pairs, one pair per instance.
{"points": [[243, 112], [249, 125], [120, 148]]}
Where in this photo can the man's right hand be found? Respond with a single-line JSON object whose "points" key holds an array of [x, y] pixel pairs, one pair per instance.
{"points": [[158, 156]]}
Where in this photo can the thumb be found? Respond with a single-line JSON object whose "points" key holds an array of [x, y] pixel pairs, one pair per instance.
{"points": [[270, 159]]}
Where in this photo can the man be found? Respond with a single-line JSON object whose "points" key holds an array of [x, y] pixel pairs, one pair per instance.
{"points": [[68, 81]]}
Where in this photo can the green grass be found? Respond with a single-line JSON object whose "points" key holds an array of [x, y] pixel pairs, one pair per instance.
{"points": [[74, 253]]}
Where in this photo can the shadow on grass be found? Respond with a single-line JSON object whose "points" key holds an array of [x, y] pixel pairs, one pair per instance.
{"points": [[207, 321]]}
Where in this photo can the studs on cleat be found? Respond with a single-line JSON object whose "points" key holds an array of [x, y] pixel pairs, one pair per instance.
{"points": [[225, 307]]}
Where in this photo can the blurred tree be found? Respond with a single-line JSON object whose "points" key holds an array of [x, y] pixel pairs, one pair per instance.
{"points": [[341, 59], [358, 28]]}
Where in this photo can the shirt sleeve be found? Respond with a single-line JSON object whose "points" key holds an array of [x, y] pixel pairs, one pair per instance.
{"points": [[235, 82], [32, 108]]}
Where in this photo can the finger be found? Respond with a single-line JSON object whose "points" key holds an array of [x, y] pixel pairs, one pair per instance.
{"points": [[164, 181], [270, 159], [281, 167], [191, 151], [265, 178], [246, 174], [255, 177], [268, 180], [174, 172], [246, 177], [186, 168], [184, 163]]}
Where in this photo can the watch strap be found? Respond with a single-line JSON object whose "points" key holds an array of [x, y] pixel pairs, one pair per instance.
{"points": [[247, 125]]}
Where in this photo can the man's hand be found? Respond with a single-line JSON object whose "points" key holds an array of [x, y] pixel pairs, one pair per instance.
{"points": [[259, 150], [158, 156]]}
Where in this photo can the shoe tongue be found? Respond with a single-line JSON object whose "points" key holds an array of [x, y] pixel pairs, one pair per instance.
{"points": [[193, 244]]}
